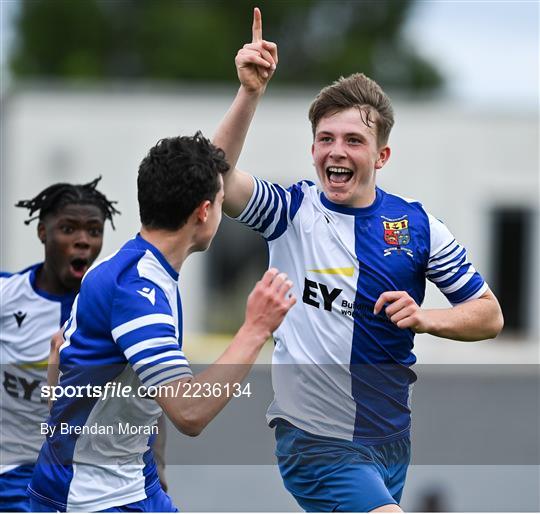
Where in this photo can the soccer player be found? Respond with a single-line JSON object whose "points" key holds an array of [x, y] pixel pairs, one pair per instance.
{"points": [[34, 303], [359, 258], [126, 329]]}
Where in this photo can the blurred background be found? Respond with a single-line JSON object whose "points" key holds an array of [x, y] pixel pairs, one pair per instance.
{"points": [[88, 86]]}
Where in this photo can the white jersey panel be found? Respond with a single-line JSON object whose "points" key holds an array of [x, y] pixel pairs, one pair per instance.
{"points": [[110, 466], [317, 373], [27, 322]]}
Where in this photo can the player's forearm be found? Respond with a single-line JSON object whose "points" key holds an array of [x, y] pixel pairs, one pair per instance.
{"points": [[266, 307], [158, 449], [233, 129], [471, 321], [53, 361], [190, 413]]}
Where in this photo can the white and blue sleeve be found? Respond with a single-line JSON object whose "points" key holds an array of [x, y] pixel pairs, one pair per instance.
{"points": [[448, 267], [271, 208], [144, 327]]}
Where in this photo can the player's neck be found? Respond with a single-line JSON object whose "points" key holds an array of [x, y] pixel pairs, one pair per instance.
{"points": [[366, 198], [48, 282], [174, 246]]}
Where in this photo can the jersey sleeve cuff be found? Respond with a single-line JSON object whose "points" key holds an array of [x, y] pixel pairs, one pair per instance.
{"points": [[483, 288]]}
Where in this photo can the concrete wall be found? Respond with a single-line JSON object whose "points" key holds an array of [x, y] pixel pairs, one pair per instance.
{"points": [[460, 163]]}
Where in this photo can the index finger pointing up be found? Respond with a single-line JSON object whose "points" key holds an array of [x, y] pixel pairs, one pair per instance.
{"points": [[256, 28]]}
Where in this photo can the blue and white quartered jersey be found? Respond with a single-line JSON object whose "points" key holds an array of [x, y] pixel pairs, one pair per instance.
{"points": [[28, 319], [339, 370], [125, 327]]}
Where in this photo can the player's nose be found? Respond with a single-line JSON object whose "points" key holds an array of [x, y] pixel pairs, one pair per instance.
{"points": [[82, 239], [337, 151]]}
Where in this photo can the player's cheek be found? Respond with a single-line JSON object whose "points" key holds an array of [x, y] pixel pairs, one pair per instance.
{"points": [[96, 245]]}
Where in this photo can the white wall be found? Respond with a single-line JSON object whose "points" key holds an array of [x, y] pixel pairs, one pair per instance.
{"points": [[459, 163]]}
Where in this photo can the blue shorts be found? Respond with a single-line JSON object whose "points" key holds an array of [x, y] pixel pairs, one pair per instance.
{"points": [[326, 474], [160, 501], [13, 484]]}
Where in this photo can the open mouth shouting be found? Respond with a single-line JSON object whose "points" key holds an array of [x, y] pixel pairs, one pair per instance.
{"points": [[78, 267], [338, 175]]}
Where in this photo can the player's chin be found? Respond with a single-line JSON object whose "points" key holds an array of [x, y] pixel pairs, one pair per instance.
{"points": [[340, 197], [71, 281]]}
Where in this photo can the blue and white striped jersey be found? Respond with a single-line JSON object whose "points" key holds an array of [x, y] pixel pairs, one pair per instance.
{"points": [[28, 319], [339, 370], [125, 327]]}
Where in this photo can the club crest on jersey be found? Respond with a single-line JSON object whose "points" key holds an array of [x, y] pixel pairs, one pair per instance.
{"points": [[397, 235]]}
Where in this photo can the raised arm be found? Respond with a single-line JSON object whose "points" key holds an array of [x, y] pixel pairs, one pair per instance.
{"points": [[255, 65]]}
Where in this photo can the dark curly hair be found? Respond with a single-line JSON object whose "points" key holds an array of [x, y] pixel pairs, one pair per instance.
{"points": [[53, 198], [175, 177]]}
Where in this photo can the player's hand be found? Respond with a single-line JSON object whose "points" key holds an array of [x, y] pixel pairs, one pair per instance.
{"points": [[57, 340], [269, 302], [402, 310], [256, 61]]}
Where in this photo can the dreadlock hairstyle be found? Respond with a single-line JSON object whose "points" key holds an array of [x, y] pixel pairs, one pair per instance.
{"points": [[57, 196]]}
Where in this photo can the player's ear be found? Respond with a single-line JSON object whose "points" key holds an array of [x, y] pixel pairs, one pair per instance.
{"points": [[41, 232], [384, 155], [202, 211]]}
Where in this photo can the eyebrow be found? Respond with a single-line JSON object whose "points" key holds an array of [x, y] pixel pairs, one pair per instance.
{"points": [[67, 219], [347, 134]]}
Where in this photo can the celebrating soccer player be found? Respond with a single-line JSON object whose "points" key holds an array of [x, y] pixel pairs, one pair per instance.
{"points": [[125, 332], [34, 303], [359, 258]]}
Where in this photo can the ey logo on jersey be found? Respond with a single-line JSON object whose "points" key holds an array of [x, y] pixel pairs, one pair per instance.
{"points": [[150, 295], [309, 295], [348, 308], [311, 288], [23, 387], [396, 234]]}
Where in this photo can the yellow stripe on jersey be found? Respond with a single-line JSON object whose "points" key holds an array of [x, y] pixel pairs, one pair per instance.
{"points": [[347, 272], [35, 365]]}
